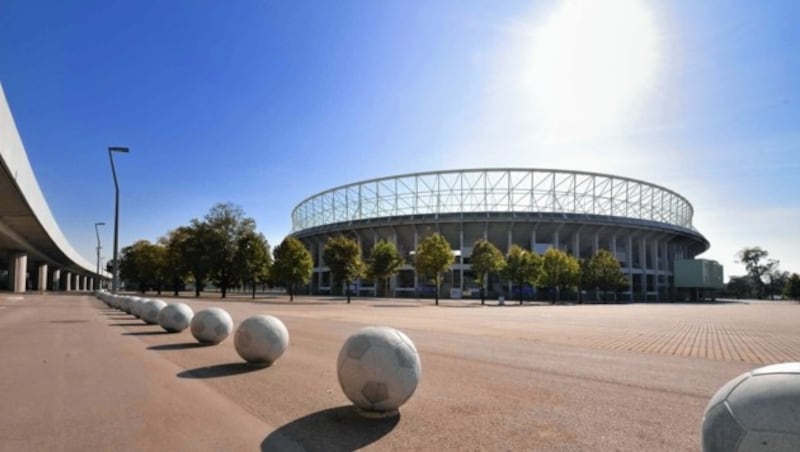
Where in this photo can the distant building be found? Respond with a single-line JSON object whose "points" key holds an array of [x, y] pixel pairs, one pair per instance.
{"points": [[647, 227], [696, 279]]}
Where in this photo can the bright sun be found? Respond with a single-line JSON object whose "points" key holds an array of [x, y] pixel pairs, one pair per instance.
{"points": [[592, 60]]}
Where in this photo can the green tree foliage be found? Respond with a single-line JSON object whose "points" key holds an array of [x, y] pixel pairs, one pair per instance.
{"points": [[142, 265], [753, 260], [559, 271], [227, 225], [253, 259], [293, 264], [775, 278], [739, 287], [176, 269], [433, 257], [606, 272], [792, 288], [521, 267], [587, 279], [485, 259], [196, 253], [384, 261], [343, 257]]}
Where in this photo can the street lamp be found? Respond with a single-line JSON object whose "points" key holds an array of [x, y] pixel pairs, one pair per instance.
{"points": [[115, 276], [97, 231]]}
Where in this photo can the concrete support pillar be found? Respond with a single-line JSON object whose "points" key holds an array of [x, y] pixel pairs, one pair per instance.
{"points": [[508, 250], [643, 263], [461, 258], [416, 276], [68, 276], [91, 284], [393, 281], [629, 250], [555, 239], [56, 279], [596, 243], [656, 272], [533, 240], [17, 272], [42, 279], [576, 245]]}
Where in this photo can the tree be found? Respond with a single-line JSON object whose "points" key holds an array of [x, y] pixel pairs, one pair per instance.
{"points": [[433, 257], [343, 257], [559, 271], [196, 252], [293, 264], [142, 265], [587, 279], [384, 261], [792, 288], [521, 267], [752, 260], [739, 286], [253, 259], [486, 259], [176, 268], [227, 225], [607, 272], [775, 278]]}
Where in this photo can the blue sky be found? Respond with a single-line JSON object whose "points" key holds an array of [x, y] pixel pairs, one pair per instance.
{"points": [[265, 103]]}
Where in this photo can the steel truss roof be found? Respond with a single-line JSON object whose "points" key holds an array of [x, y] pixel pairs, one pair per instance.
{"points": [[494, 190]]}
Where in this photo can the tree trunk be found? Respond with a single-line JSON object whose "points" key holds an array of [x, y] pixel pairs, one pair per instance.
{"points": [[554, 295], [483, 295], [254, 289], [520, 293], [291, 292], [436, 295], [223, 290], [347, 291]]}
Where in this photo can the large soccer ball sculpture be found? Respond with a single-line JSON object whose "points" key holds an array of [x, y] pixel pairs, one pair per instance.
{"points": [[211, 326], [175, 317], [261, 339], [149, 310], [758, 410], [379, 369]]}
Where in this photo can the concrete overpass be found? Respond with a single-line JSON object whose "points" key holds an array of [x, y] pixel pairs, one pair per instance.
{"points": [[34, 254]]}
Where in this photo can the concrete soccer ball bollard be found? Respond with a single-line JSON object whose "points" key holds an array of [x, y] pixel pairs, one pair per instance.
{"points": [[150, 309], [758, 410], [378, 369], [212, 326], [175, 317], [261, 339]]}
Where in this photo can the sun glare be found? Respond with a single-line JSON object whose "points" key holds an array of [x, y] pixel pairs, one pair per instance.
{"points": [[591, 61]]}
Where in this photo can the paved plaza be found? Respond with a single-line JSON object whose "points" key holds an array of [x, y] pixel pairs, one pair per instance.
{"points": [[78, 375]]}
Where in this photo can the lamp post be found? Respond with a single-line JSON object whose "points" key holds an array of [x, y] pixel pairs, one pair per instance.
{"points": [[115, 275], [97, 231]]}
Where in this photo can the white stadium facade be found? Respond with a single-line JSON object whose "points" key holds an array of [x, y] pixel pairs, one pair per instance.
{"points": [[646, 226]]}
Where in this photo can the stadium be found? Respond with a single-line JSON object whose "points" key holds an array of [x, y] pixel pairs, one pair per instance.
{"points": [[646, 226]]}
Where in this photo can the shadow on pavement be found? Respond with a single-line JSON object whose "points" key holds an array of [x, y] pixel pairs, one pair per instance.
{"points": [[182, 346], [129, 324], [290, 303], [146, 333], [221, 370], [334, 429]]}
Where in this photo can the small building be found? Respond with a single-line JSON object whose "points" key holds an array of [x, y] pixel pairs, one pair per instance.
{"points": [[698, 279]]}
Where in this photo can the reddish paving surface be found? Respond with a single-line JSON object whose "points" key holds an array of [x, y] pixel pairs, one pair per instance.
{"points": [[77, 375]]}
